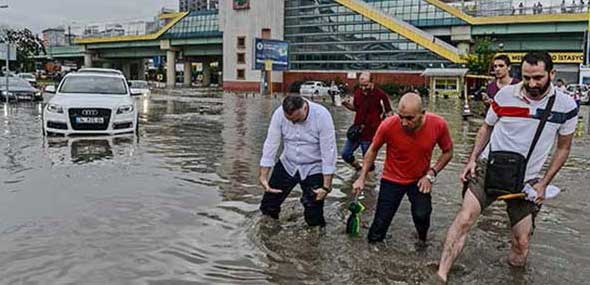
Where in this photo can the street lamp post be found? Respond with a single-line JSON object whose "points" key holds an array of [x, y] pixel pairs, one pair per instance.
{"points": [[7, 58]]}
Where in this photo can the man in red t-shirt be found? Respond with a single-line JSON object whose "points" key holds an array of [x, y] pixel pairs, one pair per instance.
{"points": [[370, 103], [411, 136]]}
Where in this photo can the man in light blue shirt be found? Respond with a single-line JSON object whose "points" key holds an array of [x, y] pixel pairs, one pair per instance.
{"points": [[308, 159]]}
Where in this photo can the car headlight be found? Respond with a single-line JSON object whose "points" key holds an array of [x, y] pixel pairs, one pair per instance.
{"points": [[54, 108], [4, 93], [125, 109]]}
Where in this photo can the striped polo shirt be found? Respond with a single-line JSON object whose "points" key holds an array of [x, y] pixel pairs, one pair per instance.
{"points": [[515, 119]]}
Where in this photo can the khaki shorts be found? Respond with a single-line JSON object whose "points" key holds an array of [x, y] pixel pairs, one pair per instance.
{"points": [[517, 209]]}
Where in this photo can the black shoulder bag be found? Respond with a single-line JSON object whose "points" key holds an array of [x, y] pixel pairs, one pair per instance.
{"points": [[354, 132], [506, 170]]}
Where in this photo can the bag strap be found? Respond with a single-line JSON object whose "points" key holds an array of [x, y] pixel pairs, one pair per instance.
{"points": [[544, 117]]}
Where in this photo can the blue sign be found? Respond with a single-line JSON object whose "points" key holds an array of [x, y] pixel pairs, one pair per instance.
{"points": [[277, 51]]}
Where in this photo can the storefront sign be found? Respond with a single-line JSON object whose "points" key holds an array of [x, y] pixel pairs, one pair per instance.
{"points": [[273, 50], [558, 57]]}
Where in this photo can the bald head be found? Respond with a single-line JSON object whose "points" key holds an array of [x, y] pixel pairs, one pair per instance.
{"points": [[410, 103], [411, 112]]}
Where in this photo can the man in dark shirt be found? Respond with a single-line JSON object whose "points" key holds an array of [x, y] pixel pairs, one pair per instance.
{"points": [[369, 103], [501, 65]]}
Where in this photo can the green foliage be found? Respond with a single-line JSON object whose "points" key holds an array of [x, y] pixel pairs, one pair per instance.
{"points": [[27, 44], [480, 57]]}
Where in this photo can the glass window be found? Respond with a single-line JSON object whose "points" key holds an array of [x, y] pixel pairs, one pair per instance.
{"points": [[94, 85]]}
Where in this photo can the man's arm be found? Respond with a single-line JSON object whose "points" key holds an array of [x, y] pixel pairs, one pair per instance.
{"points": [[328, 153], [386, 103], [562, 151], [269, 150], [481, 140], [348, 104]]}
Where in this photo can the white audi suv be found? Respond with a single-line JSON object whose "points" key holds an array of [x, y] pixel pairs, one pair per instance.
{"points": [[90, 103]]}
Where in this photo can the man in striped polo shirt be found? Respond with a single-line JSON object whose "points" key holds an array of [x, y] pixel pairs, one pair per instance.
{"points": [[514, 118]]}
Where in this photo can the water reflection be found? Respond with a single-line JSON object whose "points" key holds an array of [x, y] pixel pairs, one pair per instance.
{"points": [[82, 150], [179, 205]]}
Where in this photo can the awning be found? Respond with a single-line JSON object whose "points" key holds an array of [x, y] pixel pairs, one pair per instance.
{"points": [[448, 72]]}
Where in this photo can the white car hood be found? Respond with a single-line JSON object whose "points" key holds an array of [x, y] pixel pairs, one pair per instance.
{"points": [[92, 101]]}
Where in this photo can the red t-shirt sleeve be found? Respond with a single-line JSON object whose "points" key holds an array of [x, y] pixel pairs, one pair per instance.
{"points": [[444, 141]]}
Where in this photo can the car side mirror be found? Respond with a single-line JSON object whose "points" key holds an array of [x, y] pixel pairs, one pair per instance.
{"points": [[50, 89]]}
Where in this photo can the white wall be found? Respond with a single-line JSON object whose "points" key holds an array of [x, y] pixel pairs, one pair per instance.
{"points": [[249, 23]]}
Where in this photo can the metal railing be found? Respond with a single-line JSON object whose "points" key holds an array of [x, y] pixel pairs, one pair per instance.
{"points": [[486, 8]]}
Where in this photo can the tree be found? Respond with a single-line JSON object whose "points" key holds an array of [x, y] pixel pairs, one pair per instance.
{"points": [[27, 44], [480, 56]]}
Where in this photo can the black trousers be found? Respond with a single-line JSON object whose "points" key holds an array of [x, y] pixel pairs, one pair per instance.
{"points": [[280, 179], [390, 197]]}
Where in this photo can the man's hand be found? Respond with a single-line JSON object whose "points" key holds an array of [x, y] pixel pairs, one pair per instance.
{"points": [[540, 187], [468, 171], [424, 185], [320, 193], [266, 187], [358, 186]]}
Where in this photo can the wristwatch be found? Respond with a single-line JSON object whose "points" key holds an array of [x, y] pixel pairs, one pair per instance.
{"points": [[431, 178]]}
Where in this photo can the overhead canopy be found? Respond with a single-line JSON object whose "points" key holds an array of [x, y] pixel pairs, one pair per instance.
{"points": [[448, 72]]}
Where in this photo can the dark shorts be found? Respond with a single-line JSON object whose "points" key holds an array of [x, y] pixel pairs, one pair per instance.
{"points": [[517, 209]]}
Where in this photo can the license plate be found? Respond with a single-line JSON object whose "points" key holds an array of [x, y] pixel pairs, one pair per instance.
{"points": [[86, 120]]}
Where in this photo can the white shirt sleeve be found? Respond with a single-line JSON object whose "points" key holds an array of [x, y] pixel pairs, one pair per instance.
{"points": [[327, 143], [569, 127], [491, 116], [273, 140]]}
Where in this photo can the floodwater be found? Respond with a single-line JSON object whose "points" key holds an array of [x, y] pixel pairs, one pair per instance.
{"points": [[178, 205]]}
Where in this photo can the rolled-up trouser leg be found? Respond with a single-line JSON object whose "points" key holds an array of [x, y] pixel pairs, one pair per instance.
{"points": [[421, 210], [390, 197], [313, 209], [280, 179]]}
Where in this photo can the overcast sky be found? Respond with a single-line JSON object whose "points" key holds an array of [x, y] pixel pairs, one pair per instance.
{"points": [[41, 14]]}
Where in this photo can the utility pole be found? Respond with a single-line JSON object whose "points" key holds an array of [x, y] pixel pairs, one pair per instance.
{"points": [[7, 43]]}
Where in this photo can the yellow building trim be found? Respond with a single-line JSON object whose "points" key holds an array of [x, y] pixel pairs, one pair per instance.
{"points": [[148, 37], [164, 16], [384, 20], [509, 19]]}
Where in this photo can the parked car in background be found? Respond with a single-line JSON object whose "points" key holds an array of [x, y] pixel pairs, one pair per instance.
{"points": [[90, 103], [139, 87], [314, 88], [32, 79], [18, 89]]}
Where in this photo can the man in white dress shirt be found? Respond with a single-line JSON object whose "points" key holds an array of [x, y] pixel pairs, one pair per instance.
{"points": [[309, 154]]}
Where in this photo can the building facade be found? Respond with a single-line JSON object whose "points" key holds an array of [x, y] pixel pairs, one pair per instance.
{"points": [[197, 5], [55, 37]]}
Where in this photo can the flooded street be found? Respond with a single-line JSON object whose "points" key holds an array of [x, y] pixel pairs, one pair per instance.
{"points": [[179, 205]]}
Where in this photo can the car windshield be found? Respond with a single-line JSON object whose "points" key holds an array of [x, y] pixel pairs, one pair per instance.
{"points": [[309, 83], [138, 84], [94, 85], [15, 82]]}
